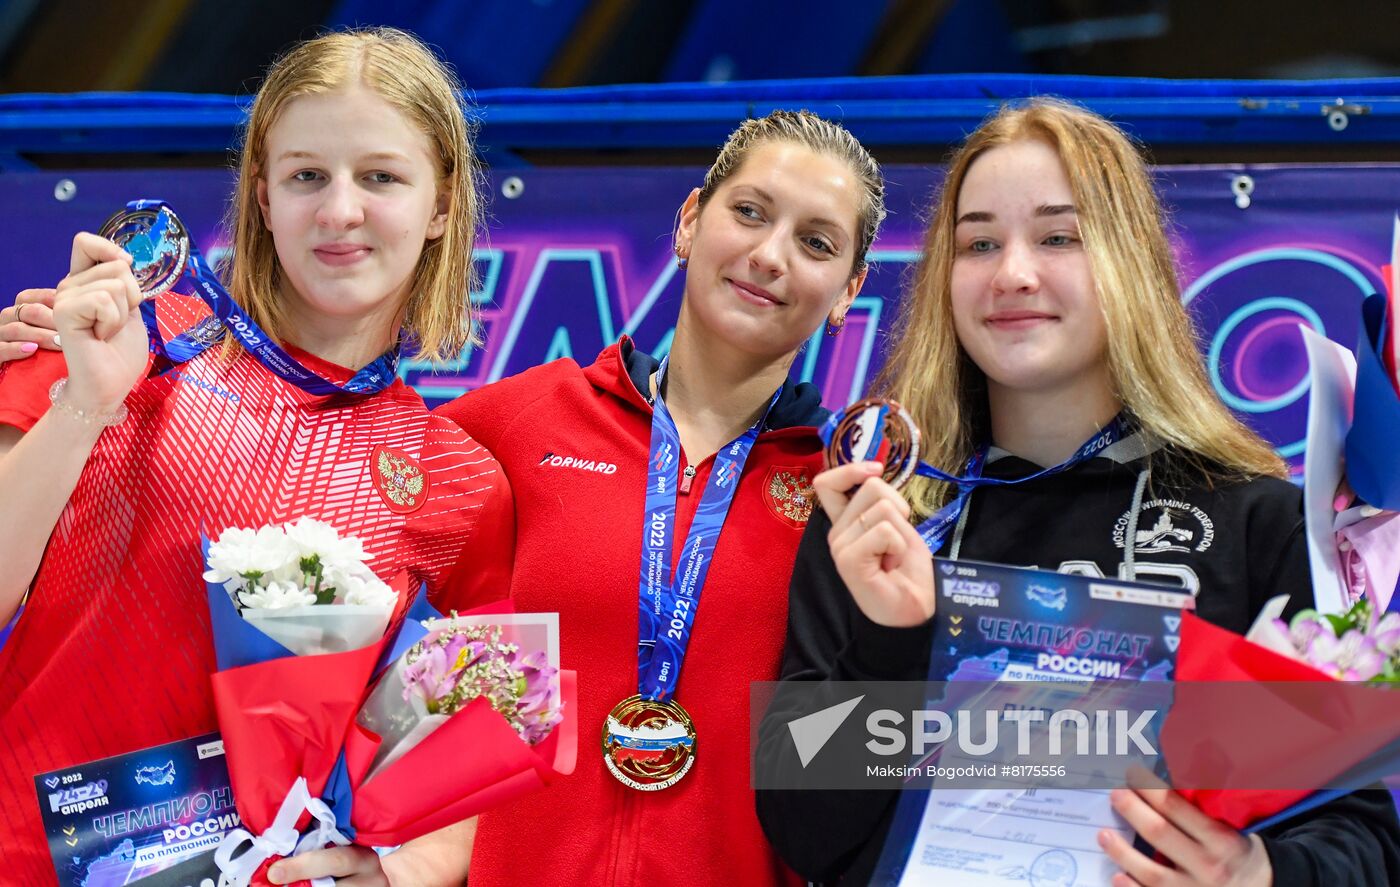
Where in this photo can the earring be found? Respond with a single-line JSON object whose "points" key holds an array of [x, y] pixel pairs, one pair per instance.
{"points": [[681, 261], [834, 329]]}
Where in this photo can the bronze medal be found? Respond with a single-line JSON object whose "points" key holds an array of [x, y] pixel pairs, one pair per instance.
{"points": [[855, 427]]}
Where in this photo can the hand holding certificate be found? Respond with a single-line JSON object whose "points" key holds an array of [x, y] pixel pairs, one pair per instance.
{"points": [[1005, 624], [1203, 850]]}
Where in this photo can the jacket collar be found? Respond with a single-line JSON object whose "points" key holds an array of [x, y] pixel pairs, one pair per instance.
{"points": [[624, 370]]}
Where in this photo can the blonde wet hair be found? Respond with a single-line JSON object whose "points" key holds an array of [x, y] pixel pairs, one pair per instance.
{"points": [[821, 136], [438, 318], [1154, 360]]}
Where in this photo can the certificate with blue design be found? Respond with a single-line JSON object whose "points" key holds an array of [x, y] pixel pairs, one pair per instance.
{"points": [[996, 623], [151, 817]]}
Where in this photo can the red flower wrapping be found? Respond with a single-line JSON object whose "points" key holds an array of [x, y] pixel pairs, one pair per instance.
{"points": [[471, 763], [1251, 732]]}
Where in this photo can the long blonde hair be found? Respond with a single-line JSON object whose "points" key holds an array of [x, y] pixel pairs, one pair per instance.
{"points": [[438, 317], [1153, 357]]}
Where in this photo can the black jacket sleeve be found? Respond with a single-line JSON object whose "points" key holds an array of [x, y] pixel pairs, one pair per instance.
{"points": [[823, 833], [1353, 841]]}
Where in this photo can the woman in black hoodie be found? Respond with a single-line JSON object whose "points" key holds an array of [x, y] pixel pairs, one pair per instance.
{"points": [[1046, 312]]}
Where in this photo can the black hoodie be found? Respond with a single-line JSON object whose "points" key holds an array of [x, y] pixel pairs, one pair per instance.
{"points": [[1234, 545]]}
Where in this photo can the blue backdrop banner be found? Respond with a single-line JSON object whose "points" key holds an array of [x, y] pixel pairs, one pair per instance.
{"points": [[575, 257]]}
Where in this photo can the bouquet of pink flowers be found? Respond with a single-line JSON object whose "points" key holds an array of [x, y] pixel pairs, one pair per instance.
{"points": [[485, 682], [1290, 715], [1369, 541], [461, 660], [1358, 645], [1352, 479]]}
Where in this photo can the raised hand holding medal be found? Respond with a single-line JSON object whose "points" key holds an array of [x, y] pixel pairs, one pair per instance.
{"points": [[872, 448], [162, 254], [103, 341]]}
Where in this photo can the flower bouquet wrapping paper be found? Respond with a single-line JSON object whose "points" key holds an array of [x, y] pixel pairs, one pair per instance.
{"points": [[1265, 726], [1372, 468], [309, 642], [1353, 436], [294, 652], [472, 714]]}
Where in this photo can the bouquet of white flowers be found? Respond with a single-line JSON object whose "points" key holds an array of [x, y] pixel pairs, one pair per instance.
{"points": [[298, 624], [304, 585], [300, 630]]}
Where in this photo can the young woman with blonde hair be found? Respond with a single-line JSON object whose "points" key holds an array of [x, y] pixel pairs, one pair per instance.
{"points": [[773, 244], [353, 221], [1044, 345]]}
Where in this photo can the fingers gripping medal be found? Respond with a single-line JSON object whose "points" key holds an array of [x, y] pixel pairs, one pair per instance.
{"points": [[882, 430], [158, 243], [648, 744], [875, 429]]}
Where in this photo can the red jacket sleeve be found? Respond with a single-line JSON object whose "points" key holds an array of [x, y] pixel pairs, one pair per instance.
{"points": [[24, 387]]}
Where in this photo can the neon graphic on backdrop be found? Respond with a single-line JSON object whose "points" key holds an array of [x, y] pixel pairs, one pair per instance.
{"points": [[576, 265], [1244, 398], [510, 301], [509, 310]]}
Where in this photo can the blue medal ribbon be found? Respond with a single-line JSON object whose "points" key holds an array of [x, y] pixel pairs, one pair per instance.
{"points": [[668, 605], [935, 528], [371, 379]]}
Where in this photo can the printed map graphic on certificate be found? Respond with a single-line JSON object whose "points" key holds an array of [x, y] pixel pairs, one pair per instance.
{"points": [[998, 623]]}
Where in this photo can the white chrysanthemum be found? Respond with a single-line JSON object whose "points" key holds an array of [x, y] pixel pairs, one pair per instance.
{"points": [[276, 596], [281, 557], [239, 552], [319, 539], [365, 592]]}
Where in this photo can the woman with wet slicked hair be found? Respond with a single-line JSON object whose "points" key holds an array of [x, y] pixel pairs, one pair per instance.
{"points": [[773, 244]]}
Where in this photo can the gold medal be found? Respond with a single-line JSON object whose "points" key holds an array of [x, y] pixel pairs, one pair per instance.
{"points": [[647, 744]]}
